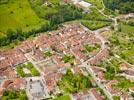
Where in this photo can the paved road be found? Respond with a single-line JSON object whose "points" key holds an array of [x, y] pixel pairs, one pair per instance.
{"points": [[87, 65]]}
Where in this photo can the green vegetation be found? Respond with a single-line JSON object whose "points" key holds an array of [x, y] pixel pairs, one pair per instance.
{"points": [[89, 48], [124, 6], [11, 18], [30, 67], [93, 25], [116, 97], [124, 84], [126, 28], [34, 71], [95, 15], [110, 73], [14, 95], [4, 1], [125, 44], [132, 95], [102, 93], [112, 67], [68, 59], [97, 3], [72, 83], [47, 54], [110, 12], [66, 97]]}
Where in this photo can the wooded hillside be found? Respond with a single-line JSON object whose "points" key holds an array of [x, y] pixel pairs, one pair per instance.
{"points": [[124, 6]]}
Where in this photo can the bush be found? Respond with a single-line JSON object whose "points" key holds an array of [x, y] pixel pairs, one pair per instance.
{"points": [[14, 95]]}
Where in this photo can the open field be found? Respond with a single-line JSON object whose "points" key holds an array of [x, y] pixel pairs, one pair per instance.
{"points": [[127, 28], [18, 14], [66, 97], [93, 25]]}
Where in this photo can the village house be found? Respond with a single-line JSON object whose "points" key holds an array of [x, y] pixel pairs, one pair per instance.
{"points": [[17, 83], [96, 59], [91, 94], [51, 80], [110, 89], [127, 71], [99, 73]]}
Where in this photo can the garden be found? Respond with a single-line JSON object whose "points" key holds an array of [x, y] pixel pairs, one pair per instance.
{"points": [[73, 83], [14, 95], [89, 48], [47, 54], [27, 70], [124, 84], [68, 59]]}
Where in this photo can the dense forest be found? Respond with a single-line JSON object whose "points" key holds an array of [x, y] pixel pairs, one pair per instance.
{"points": [[124, 6]]}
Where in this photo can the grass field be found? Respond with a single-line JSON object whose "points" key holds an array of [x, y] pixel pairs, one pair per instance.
{"points": [[18, 14], [93, 25], [66, 97], [127, 28]]}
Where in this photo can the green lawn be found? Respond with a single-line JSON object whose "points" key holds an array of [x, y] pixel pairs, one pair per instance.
{"points": [[18, 14], [66, 97], [30, 67], [93, 25], [127, 28]]}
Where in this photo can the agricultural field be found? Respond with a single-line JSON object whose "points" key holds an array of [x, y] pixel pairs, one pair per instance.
{"points": [[97, 3], [95, 15], [127, 28], [17, 14], [93, 25]]}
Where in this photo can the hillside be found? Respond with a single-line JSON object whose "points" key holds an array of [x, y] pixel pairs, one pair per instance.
{"points": [[124, 6], [17, 14]]}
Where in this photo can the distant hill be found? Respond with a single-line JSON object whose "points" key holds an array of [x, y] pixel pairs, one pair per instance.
{"points": [[124, 6]]}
